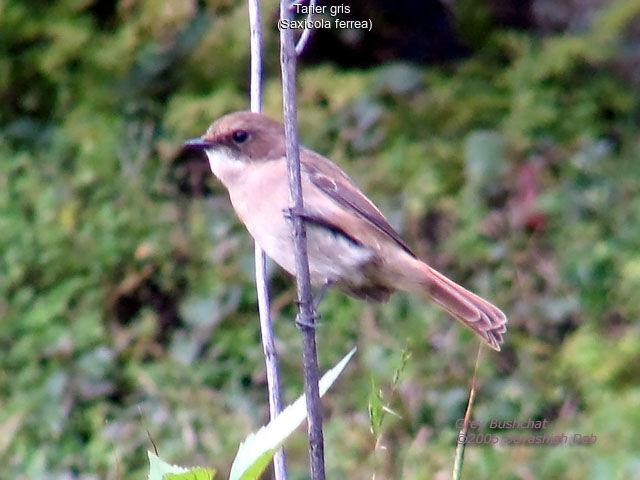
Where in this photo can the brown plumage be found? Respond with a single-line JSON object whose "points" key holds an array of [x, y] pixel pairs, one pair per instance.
{"points": [[350, 243]]}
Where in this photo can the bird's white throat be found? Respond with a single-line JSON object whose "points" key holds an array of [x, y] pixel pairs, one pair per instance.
{"points": [[224, 166]]}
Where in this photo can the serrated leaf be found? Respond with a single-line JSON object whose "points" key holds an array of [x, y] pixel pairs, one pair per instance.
{"points": [[197, 473], [158, 468], [161, 470], [256, 451]]}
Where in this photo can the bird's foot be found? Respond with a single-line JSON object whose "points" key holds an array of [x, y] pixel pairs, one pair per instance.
{"points": [[306, 324], [292, 212]]}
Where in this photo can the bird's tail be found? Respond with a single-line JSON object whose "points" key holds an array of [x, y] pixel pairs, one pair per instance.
{"points": [[481, 316]]}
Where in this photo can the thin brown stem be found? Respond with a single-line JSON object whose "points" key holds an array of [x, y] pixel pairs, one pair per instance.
{"points": [[262, 288], [305, 296], [462, 435]]}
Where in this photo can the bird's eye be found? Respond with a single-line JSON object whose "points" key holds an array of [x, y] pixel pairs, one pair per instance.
{"points": [[240, 136]]}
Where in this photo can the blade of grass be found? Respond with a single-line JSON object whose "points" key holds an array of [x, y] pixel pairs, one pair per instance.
{"points": [[255, 452], [462, 435]]}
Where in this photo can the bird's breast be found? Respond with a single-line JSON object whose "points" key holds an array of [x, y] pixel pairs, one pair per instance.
{"points": [[260, 197]]}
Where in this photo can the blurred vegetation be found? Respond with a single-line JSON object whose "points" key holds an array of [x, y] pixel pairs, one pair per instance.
{"points": [[126, 294]]}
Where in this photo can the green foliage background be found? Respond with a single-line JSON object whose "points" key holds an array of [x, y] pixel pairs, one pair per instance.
{"points": [[127, 308]]}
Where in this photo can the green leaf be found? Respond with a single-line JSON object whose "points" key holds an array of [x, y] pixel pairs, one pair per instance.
{"points": [[256, 451], [375, 408], [161, 470], [197, 473], [158, 468]]}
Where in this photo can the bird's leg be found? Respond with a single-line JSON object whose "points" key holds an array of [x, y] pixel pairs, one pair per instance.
{"points": [[321, 293], [316, 304], [291, 212], [300, 323]]}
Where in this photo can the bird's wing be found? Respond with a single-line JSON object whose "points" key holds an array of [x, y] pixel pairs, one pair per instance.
{"points": [[333, 182]]}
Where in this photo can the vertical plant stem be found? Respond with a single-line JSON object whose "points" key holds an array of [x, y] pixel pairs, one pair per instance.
{"points": [[305, 298], [462, 435], [255, 29], [270, 356], [306, 34], [268, 343]]}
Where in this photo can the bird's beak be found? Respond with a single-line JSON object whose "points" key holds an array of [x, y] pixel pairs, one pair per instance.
{"points": [[198, 143]]}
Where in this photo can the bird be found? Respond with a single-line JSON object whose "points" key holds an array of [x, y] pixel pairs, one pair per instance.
{"points": [[351, 245]]}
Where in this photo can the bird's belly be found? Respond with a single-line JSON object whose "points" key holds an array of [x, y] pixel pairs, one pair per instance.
{"points": [[261, 200], [333, 257]]}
